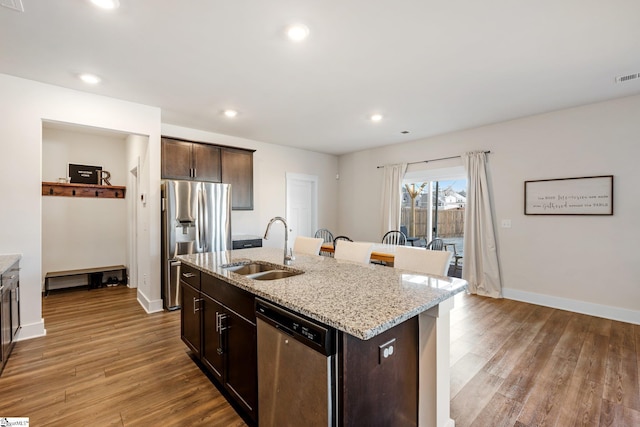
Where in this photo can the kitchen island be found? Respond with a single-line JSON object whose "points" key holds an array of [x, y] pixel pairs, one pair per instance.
{"points": [[364, 303]]}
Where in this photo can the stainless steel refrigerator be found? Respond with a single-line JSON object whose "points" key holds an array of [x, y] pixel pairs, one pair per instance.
{"points": [[196, 217]]}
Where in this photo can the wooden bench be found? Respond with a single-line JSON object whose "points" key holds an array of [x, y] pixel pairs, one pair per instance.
{"points": [[94, 273]]}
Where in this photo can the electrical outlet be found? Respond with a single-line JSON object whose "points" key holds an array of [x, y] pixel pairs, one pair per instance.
{"points": [[386, 350], [506, 223]]}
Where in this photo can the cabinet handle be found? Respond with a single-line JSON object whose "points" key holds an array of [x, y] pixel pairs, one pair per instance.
{"points": [[194, 172], [196, 301], [220, 328], [188, 275]]}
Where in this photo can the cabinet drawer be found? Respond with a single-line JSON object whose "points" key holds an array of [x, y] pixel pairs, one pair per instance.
{"points": [[244, 244], [234, 298], [190, 275]]}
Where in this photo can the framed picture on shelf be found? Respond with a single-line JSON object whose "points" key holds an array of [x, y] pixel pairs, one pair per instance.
{"points": [[590, 195], [84, 174]]}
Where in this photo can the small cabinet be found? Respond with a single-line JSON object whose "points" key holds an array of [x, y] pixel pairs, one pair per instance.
{"points": [[190, 161], [237, 170], [9, 312], [229, 346], [190, 314]]}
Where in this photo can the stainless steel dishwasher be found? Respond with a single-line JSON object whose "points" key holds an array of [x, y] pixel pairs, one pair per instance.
{"points": [[296, 369]]}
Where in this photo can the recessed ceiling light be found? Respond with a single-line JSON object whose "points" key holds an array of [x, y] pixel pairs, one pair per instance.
{"points": [[91, 79], [230, 113], [376, 117], [106, 4], [297, 32]]}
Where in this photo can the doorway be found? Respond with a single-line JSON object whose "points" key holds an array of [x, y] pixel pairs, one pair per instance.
{"points": [[433, 207], [301, 205]]}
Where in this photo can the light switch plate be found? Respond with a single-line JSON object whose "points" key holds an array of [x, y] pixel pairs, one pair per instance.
{"points": [[506, 223]]}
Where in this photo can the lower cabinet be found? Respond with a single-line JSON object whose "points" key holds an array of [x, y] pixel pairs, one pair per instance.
{"points": [[218, 325], [9, 311], [229, 352], [190, 318]]}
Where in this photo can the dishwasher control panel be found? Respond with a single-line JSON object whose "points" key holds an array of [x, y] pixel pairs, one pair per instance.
{"points": [[314, 335]]}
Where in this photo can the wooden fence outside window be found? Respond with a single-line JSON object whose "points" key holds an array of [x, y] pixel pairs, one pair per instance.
{"points": [[450, 221]]}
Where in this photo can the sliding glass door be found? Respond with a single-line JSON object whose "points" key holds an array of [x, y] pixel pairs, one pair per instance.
{"points": [[435, 209]]}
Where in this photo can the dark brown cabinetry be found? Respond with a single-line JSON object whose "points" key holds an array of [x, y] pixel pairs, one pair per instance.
{"points": [[222, 322], [190, 315], [9, 312], [391, 384], [237, 170], [190, 161], [370, 389]]}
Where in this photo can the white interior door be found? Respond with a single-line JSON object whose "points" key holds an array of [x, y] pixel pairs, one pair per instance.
{"points": [[302, 205]]}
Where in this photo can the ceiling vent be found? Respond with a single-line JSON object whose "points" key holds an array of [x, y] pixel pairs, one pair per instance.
{"points": [[13, 4], [622, 79]]}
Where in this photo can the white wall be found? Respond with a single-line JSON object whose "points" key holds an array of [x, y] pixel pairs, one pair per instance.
{"points": [[82, 232], [24, 105], [582, 263], [270, 164]]}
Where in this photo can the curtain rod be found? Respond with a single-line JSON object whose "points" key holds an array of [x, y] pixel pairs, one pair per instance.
{"points": [[433, 160]]}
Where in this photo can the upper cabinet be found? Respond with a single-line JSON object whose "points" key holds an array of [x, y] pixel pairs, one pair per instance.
{"points": [[237, 170], [190, 160], [196, 161]]}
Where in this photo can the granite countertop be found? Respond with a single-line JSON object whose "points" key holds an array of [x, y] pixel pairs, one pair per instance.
{"points": [[361, 300], [6, 261]]}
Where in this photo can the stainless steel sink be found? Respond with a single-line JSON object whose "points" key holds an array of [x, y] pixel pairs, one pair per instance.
{"points": [[261, 271], [274, 274], [250, 268]]}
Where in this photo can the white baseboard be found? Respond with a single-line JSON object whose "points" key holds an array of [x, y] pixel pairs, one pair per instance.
{"points": [[149, 306], [31, 330], [598, 310]]}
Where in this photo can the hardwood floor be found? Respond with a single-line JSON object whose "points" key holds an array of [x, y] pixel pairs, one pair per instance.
{"points": [[523, 365], [105, 362]]}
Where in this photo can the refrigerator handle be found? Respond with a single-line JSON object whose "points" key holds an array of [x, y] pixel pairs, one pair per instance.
{"points": [[202, 217]]}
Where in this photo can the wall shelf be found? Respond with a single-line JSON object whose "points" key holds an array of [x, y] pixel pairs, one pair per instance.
{"points": [[83, 190]]}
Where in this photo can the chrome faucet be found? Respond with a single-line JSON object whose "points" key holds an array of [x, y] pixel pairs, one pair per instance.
{"points": [[288, 259]]}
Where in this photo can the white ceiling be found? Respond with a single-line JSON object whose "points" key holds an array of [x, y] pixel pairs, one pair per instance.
{"points": [[429, 67]]}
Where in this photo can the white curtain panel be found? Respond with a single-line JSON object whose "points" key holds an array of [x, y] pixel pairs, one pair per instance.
{"points": [[480, 268], [392, 196]]}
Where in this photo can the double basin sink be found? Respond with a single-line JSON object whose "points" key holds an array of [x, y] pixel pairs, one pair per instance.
{"points": [[257, 270]]}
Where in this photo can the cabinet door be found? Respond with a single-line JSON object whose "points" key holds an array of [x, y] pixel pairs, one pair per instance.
{"points": [[176, 159], [242, 362], [237, 170], [190, 319], [213, 354], [5, 325], [206, 162]]}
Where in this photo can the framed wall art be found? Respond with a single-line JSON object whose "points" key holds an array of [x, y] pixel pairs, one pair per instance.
{"points": [[590, 195], [84, 174]]}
